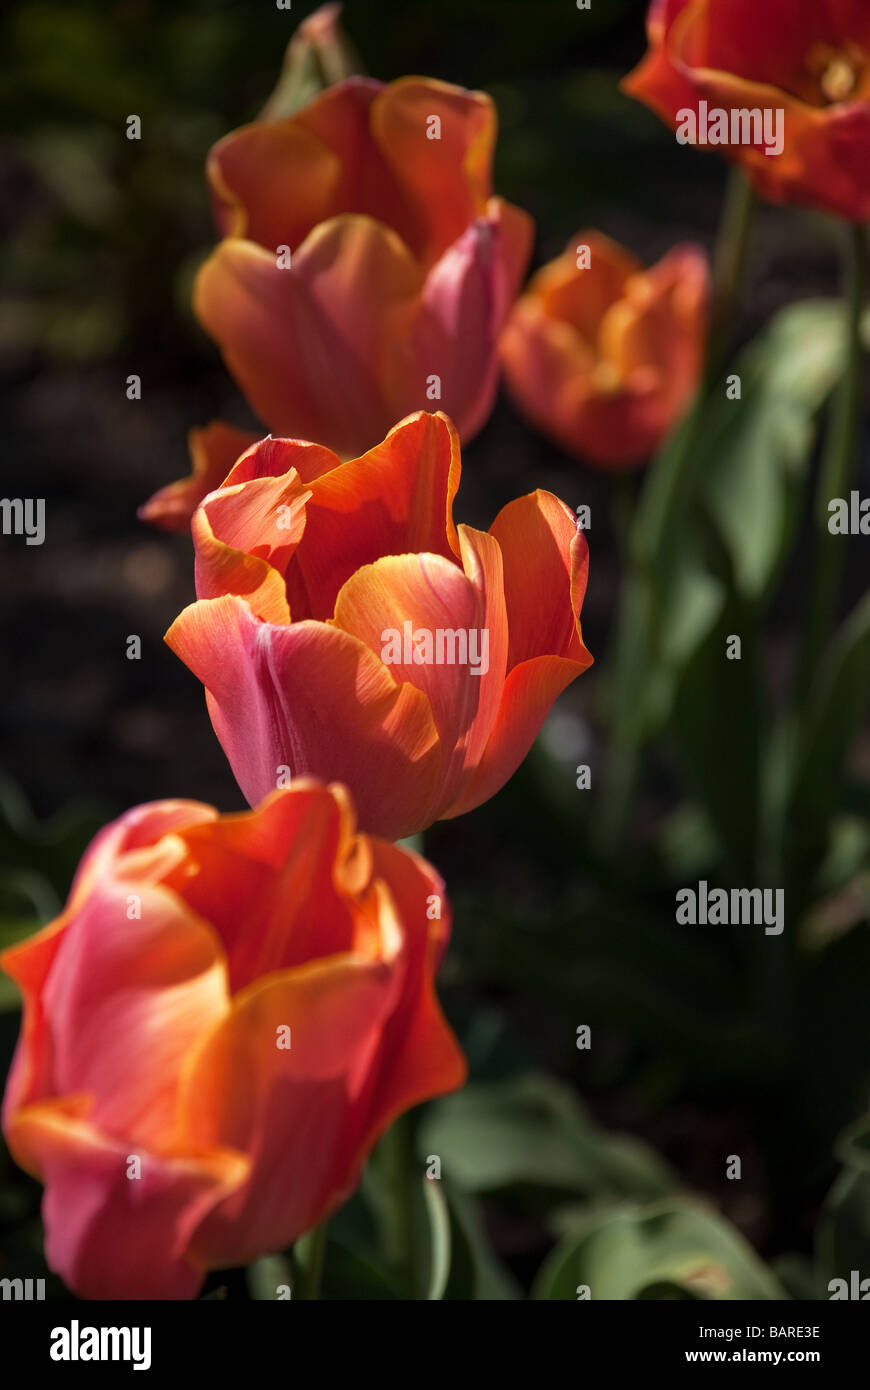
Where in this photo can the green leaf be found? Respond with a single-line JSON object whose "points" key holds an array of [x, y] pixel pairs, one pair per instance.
{"points": [[475, 1272], [613, 955], [674, 1248], [689, 600], [265, 1276], [757, 448], [439, 1240], [837, 706], [797, 1275], [843, 1235], [853, 1145], [717, 719], [352, 1273], [531, 1130]]}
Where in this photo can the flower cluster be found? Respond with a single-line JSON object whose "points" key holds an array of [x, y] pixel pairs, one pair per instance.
{"points": [[230, 1010]]}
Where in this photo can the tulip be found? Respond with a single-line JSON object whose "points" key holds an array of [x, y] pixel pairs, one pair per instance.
{"points": [[224, 1018], [346, 629], [398, 272], [603, 356], [402, 264], [806, 59]]}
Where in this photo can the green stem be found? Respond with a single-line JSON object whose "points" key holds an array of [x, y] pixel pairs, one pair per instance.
{"points": [[665, 496], [836, 471], [622, 506], [729, 263], [397, 1153], [309, 1259], [665, 493]]}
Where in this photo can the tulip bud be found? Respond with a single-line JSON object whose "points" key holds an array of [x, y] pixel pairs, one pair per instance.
{"points": [[318, 55]]}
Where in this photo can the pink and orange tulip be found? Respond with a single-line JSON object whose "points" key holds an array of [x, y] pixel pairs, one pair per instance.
{"points": [[225, 1017], [305, 564], [604, 357], [403, 266]]}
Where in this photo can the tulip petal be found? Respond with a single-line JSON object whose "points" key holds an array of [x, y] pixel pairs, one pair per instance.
{"points": [[302, 176], [430, 593], [528, 696], [244, 536], [361, 278], [441, 630], [272, 458], [289, 1108], [770, 44], [312, 698], [656, 80], [465, 301], [419, 1055], [581, 296], [546, 563], [30, 962], [301, 372], [213, 450], [445, 178], [150, 983], [110, 1235], [396, 499], [516, 234], [341, 118], [255, 876], [483, 564]]}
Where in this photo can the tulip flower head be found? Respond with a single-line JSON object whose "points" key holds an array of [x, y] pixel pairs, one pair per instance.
{"points": [[366, 269], [345, 628], [397, 269], [219, 1025], [602, 355], [782, 88]]}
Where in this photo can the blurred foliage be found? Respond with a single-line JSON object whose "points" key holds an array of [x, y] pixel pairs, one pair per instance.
{"points": [[664, 1251]]}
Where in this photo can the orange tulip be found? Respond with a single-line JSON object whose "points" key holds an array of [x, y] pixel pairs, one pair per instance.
{"points": [[398, 269], [806, 63], [346, 629], [602, 355], [402, 268], [227, 1014]]}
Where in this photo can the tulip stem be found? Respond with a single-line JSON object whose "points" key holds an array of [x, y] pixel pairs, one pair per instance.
{"points": [[729, 262], [309, 1259], [665, 494], [836, 469], [663, 501], [399, 1166]]}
